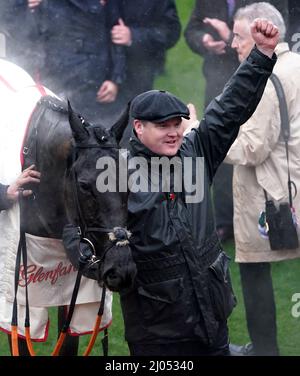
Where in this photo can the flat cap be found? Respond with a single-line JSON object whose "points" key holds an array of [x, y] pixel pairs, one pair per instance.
{"points": [[157, 106]]}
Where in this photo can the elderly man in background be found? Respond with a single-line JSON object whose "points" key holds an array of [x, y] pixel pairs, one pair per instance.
{"points": [[209, 34], [261, 173]]}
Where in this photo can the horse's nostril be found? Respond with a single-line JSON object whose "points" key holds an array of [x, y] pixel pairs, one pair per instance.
{"points": [[118, 269], [113, 281], [117, 280]]}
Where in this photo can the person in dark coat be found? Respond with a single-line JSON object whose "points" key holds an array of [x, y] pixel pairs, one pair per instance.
{"points": [[182, 294], [294, 25], [21, 30], [209, 33], [82, 64], [146, 29]]}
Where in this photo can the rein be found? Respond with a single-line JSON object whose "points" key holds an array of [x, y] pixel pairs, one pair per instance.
{"points": [[22, 251]]}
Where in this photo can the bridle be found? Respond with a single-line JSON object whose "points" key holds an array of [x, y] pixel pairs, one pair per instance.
{"points": [[115, 236]]}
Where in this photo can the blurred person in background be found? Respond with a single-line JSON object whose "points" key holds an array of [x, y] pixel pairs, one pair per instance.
{"points": [[260, 174], [81, 63], [209, 34], [294, 25], [20, 28], [146, 29]]}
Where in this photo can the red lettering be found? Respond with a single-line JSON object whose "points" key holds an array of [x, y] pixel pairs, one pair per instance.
{"points": [[37, 274]]}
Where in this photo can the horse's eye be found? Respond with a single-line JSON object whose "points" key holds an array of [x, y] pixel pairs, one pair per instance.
{"points": [[103, 139], [84, 186]]}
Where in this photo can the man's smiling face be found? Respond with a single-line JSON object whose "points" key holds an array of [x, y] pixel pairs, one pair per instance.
{"points": [[163, 138]]}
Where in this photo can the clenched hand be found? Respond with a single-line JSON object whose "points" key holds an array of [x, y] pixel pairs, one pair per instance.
{"points": [[265, 35]]}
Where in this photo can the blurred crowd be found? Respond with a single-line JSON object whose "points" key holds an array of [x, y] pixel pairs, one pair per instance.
{"points": [[97, 53], [101, 53]]}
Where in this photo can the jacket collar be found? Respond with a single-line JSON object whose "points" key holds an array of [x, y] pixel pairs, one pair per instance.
{"points": [[282, 48]]}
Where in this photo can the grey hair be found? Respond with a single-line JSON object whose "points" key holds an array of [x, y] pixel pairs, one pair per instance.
{"points": [[263, 10]]}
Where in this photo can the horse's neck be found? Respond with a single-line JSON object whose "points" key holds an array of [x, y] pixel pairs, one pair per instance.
{"points": [[45, 215]]}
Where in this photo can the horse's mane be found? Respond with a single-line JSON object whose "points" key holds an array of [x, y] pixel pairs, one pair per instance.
{"points": [[53, 103]]}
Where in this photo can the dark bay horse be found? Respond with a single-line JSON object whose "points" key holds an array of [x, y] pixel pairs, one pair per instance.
{"points": [[66, 149], [67, 203]]}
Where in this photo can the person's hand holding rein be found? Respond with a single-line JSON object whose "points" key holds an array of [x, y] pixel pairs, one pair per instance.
{"points": [[265, 35], [29, 175]]}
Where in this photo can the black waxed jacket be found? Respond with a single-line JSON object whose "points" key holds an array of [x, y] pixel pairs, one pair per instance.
{"points": [[183, 290]]}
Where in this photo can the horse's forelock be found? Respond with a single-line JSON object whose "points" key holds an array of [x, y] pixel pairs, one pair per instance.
{"points": [[103, 135]]}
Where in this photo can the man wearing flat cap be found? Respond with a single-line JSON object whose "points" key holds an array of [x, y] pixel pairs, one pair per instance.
{"points": [[182, 294]]}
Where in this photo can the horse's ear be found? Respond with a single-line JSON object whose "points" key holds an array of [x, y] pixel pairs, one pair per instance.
{"points": [[79, 132], [120, 125]]}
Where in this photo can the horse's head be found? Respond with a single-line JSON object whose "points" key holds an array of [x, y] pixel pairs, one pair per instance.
{"points": [[97, 204]]}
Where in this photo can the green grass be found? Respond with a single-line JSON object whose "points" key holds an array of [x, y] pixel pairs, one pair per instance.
{"points": [[286, 283], [183, 77]]}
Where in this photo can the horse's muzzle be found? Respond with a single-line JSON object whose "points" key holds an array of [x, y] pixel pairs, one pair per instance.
{"points": [[118, 270]]}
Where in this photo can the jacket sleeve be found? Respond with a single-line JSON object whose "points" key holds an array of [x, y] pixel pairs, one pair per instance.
{"points": [[259, 135], [4, 202], [194, 31], [162, 33], [117, 72], [227, 112]]}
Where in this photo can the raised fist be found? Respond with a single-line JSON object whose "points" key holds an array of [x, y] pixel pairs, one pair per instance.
{"points": [[265, 35]]}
